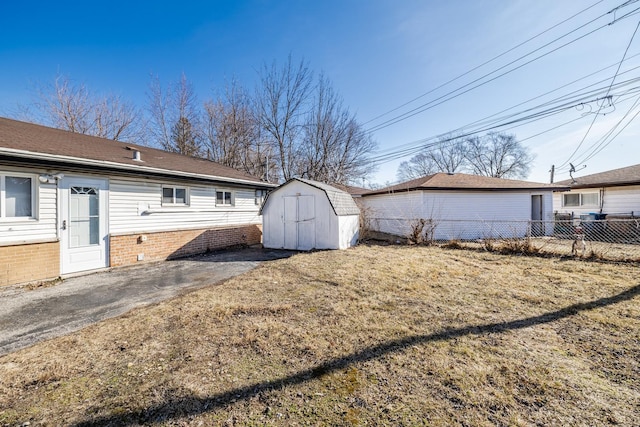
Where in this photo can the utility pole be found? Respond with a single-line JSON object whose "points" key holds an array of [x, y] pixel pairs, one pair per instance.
{"points": [[553, 169]]}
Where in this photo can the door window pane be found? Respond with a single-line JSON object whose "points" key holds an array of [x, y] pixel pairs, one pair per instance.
{"points": [[84, 217], [18, 197]]}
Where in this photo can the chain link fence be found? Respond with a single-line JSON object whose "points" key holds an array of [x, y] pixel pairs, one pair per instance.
{"points": [[616, 239]]}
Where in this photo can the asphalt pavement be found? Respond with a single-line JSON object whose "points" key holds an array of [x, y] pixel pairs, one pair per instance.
{"points": [[29, 315]]}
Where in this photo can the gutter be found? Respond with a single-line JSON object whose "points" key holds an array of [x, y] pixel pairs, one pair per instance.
{"points": [[125, 167]]}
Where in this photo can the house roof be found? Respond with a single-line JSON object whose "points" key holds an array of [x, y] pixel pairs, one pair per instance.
{"points": [[354, 191], [44, 145], [629, 175], [341, 201], [461, 181]]}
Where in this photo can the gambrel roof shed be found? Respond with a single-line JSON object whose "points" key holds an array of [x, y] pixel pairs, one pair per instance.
{"points": [[303, 214]]}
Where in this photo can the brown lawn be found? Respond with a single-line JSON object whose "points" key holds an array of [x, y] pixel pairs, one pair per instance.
{"points": [[374, 335]]}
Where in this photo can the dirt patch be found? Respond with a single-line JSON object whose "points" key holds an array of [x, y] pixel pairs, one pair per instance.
{"points": [[373, 335]]}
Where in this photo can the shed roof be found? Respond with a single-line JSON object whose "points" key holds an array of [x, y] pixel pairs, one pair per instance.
{"points": [[341, 201], [26, 141], [462, 181], [629, 175]]}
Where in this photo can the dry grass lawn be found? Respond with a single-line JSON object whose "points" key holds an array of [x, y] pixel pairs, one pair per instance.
{"points": [[369, 336]]}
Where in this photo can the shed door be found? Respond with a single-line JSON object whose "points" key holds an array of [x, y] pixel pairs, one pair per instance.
{"points": [[299, 222]]}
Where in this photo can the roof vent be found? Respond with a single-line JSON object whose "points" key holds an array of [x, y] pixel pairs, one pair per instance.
{"points": [[135, 155]]}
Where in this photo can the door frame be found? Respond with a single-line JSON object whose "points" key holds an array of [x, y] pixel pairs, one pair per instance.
{"points": [[64, 192]]}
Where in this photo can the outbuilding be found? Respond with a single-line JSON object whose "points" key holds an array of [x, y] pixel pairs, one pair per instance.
{"points": [[302, 215]]}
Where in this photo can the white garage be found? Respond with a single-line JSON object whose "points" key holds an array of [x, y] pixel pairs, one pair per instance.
{"points": [[302, 215]]}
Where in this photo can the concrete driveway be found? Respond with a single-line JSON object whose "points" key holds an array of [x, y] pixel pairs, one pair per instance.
{"points": [[28, 316]]}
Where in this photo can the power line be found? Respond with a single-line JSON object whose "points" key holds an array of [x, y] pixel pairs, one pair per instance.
{"points": [[486, 120], [483, 64], [452, 94], [596, 116], [424, 144]]}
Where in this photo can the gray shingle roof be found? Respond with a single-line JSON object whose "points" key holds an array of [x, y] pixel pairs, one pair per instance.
{"points": [[629, 175], [462, 181], [341, 202]]}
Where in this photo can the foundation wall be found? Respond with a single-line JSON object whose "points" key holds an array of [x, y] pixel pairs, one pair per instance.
{"points": [[126, 249], [29, 262]]}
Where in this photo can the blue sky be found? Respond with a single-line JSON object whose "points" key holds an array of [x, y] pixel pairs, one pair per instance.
{"points": [[379, 54]]}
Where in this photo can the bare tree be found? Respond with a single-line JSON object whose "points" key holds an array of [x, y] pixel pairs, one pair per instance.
{"points": [[171, 111], [233, 133], [449, 155], [335, 147], [498, 155], [280, 103], [67, 105]]}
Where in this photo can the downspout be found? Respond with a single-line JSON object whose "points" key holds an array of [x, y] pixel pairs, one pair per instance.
{"points": [[601, 199]]}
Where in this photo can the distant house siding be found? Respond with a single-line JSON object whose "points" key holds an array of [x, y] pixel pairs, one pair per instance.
{"points": [[458, 214], [617, 200]]}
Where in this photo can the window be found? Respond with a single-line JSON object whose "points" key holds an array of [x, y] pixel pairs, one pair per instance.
{"points": [[174, 196], [224, 198], [260, 195], [17, 196], [580, 199]]}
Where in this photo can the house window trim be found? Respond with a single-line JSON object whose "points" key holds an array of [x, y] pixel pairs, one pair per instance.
{"points": [[232, 199], [581, 203], [34, 197], [187, 196]]}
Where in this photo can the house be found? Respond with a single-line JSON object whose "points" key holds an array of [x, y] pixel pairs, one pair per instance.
{"points": [[72, 203], [461, 206], [302, 215], [612, 193]]}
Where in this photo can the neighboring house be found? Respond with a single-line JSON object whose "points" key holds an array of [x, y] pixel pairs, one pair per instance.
{"points": [[615, 192], [461, 206], [71, 202], [302, 215]]}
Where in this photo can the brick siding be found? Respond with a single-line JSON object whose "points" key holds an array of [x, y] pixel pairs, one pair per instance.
{"points": [[29, 262], [124, 250]]}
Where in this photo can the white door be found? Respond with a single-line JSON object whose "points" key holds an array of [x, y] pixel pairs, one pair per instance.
{"points": [[83, 224], [306, 223], [299, 222]]}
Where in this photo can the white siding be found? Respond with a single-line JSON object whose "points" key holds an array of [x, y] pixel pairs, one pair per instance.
{"points": [[617, 200], [457, 214], [136, 206], [330, 231], [42, 228]]}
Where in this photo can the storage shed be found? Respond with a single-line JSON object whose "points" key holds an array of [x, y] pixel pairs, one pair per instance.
{"points": [[302, 215]]}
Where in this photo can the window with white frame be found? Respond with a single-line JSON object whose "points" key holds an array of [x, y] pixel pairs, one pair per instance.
{"points": [[580, 199], [224, 198], [17, 196], [175, 196], [260, 195]]}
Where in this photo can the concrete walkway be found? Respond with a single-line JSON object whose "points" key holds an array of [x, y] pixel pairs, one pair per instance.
{"points": [[28, 316]]}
